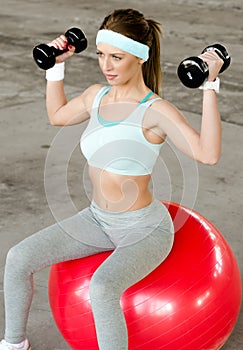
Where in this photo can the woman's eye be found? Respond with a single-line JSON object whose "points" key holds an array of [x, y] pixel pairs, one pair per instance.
{"points": [[100, 54]]}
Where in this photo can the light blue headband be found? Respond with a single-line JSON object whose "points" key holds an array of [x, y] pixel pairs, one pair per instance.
{"points": [[123, 42]]}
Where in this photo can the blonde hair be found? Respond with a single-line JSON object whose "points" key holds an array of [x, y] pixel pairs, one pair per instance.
{"points": [[134, 25]]}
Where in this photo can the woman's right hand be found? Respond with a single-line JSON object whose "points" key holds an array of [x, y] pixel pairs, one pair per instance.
{"points": [[61, 43], [214, 63]]}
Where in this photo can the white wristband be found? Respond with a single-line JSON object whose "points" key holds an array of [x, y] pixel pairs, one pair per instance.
{"points": [[56, 73], [211, 85]]}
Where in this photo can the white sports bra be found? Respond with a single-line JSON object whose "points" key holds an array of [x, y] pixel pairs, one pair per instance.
{"points": [[119, 147]]}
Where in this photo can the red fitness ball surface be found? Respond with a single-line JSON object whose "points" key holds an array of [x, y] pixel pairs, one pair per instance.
{"points": [[190, 302]]}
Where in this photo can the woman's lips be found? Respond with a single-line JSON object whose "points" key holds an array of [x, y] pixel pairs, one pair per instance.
{"points": [[110, 76]]}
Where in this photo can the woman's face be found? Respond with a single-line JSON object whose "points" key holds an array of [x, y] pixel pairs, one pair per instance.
{"points": [[119, 67]]}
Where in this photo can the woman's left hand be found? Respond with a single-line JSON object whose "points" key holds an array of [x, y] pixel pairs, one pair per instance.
{"points": [[214, 63]]}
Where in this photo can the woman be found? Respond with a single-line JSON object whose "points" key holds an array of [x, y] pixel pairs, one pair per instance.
{"points": [[128, 124]]}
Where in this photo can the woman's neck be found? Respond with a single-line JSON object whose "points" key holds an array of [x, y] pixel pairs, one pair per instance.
{"points": [[131, 91]]}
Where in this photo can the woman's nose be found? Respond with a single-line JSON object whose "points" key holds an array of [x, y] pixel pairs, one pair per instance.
{"points": [[107, 64]]}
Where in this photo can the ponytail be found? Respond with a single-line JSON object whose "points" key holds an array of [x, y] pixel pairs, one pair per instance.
{"points": [[152, 72]]}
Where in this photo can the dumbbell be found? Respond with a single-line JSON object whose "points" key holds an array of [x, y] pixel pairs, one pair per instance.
{"points": [[193, 71], [45, 55]]}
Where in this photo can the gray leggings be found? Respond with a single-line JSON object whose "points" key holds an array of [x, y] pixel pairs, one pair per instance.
{"points": [[141, 240]]}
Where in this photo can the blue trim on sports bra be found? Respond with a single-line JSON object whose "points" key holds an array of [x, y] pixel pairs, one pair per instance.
{"points": [[146, 97], [108, 123]]}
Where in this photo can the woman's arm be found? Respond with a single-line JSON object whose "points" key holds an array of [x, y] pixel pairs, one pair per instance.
{"points": [[210, 135], [203, 146], [59, 110], [75, 111]]}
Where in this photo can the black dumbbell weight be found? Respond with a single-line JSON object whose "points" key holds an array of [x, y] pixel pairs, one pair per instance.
{"points": [[193, 71], [45, 55]]}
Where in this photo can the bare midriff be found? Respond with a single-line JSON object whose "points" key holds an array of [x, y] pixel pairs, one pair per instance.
{"points": [[120, 193]]}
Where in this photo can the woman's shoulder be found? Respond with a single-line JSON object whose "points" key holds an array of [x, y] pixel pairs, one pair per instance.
{"points": [[90, 93], [92, 90], [164, 106]]}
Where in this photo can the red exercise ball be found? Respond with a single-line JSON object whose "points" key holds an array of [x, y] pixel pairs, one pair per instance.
{"points": [[190, 302]]}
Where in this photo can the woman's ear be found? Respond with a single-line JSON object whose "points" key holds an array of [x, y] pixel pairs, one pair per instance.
{"points": [[140, 61]]}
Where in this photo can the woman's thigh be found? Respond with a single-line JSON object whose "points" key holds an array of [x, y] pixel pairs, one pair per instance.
{"points": [[73, 238], [129, 263]]}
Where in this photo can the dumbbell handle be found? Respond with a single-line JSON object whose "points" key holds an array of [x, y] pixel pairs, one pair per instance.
{"points": [[222, 52]]}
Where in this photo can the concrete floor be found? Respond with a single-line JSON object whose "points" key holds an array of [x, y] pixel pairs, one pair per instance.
{"points": [[26, 134]]}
